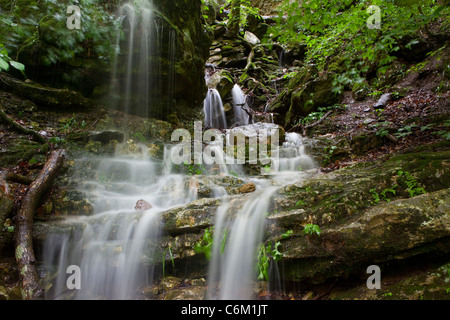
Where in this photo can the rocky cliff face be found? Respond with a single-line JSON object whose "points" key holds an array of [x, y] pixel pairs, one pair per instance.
{"points": [[160, 69], [192, 51]]}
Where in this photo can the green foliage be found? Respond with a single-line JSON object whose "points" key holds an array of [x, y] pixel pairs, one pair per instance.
{"points": [[382, 132], [69, 126], [6, 61], [311, 229], [383, 195], [338, 29], [164, 260], [411, 183], [205, 245], [264, 256], [57, 140], [39, 28], [289, 75], [205, 9], [139, 137], [320, 113], [300, 203]]}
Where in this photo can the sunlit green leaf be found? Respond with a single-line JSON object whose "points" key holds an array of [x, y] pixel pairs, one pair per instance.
{"points": [[19, 66], [3, 64]]}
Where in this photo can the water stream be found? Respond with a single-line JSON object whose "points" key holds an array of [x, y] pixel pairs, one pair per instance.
{"points": [[130, 190], [232, 273], [112, 246], [213, 109], [239, 102]]}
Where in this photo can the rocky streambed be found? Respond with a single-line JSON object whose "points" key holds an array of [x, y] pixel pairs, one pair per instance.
{"points": [[392, 213]]}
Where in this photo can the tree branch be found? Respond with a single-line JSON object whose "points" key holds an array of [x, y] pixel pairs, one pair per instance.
{"points": [[8, 120], [312, 125], [24, 253]]}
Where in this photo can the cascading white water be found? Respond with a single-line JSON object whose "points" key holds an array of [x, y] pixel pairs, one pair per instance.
{"points": [[239, 102], [213, 109], [293, 155], [133, 71], [112, 247], [232, 268]]}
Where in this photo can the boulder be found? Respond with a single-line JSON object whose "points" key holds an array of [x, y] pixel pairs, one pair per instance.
{"points": [[394, 230], [46, 96], [106, 137], [248, 188], [383, 101], [309, 97], [189, 293], [142, 205]]}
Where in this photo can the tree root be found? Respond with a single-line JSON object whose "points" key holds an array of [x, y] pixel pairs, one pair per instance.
{"points": [[24, 253], [18, 178], [309, 126]]}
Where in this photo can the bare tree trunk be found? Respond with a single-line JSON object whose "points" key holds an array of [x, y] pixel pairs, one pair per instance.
{"points": [[31, 287]]}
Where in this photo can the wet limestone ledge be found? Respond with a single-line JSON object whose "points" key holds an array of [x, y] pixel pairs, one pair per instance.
{"points": [[390, 231]]}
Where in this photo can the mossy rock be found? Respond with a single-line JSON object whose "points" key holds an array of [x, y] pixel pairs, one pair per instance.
{"points": [[396, 230], [364, 142], [332, 198], [403, 284], [310, 96], [20, 149]]}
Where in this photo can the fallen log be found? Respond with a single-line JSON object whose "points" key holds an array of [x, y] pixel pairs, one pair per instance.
{"points": [[43, 96], [24, 253], [10, 121]]}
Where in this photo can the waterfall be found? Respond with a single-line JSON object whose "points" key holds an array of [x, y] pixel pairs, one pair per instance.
{"points": [[116, 248], [293, 155], [113, 247], [213, 109], [237, 236], [140, 84], [239, 102], [233, 269]]}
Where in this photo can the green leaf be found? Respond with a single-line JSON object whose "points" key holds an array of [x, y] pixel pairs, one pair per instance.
{"points": [[3, 65], [19, 66]]}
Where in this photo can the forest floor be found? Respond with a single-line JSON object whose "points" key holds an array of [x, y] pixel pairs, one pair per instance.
{"points": [[421, 117], [410, 119]]}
